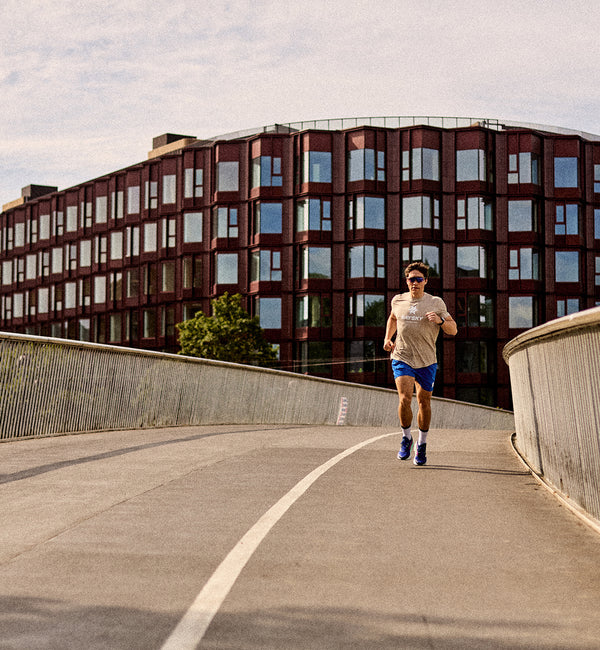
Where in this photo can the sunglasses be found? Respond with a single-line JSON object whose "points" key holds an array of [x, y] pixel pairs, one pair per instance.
{"points": [[417, 279]]}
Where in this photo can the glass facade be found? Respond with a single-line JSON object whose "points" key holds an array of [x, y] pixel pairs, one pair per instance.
{"points": [[313, 228]]}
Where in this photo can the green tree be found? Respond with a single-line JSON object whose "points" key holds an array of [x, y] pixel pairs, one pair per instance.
{"points": [[230, 334]]}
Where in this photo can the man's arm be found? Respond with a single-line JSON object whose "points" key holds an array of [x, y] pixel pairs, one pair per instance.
{"points": [[390, 330], [448, 324]]}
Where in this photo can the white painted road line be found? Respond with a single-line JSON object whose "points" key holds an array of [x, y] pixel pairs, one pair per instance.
{"points": [[193, 626]]}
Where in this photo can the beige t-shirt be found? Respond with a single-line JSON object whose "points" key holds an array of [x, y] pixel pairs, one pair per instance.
{"points": [[415, 335]]}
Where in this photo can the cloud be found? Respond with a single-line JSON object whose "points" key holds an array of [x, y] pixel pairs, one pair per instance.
{"points": [[85, 88]]}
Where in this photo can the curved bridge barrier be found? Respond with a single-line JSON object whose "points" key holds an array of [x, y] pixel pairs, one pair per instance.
{"points": [[53, 386], [555, 379]]}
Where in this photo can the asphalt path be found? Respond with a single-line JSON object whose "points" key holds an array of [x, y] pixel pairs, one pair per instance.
{"points": [[287, 537]]}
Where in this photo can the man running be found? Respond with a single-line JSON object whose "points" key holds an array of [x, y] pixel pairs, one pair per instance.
{"points": [[416, 318]]}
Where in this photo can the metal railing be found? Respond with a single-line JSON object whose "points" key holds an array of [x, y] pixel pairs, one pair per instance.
{"points": [[53, 386], [398, 122], [555, 379]]}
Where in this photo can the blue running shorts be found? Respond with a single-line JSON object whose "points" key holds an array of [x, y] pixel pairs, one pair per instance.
{"points": [[424, 376]]}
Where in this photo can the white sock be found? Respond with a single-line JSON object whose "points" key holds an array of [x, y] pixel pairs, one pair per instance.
{"points": [[406, 433], [422, 436]]}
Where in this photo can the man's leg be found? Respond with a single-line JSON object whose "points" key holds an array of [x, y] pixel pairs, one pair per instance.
{"points": [[424, 402], [405, 385], [423, 420]]}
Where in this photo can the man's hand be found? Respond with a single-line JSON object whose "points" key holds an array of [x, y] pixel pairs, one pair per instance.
{"points": [[388, 345], [433, 317]]}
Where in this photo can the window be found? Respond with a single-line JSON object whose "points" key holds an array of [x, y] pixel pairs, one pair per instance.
{"points": [[116, 245], [133, 241], [268, 218], [18, 305], [132, 283], [566, 306], [228, 176], [192, 227], [474, 357], [114, 328], [225, 222], [133, 199], [43, 300], [31, 267], [523, 168], [70, 295], [566, 172], [428, 254], [169, 193], [71, 224], [192, 272], [567, 266], [420, 212], [522, 312], [474, 213], [313, 214], [266, 172], [523, 264], [99, 289], [150, 280], [363, 357], [366, 310], [316, 263], [596, 223], [597, 271], [567, 219], [522, 216], [315, 357], [57, 222], [57, 260], [116, 204], [366, 212], [83, 329], [313, 311], [169, 232], [226, 271], [7, 272], [471, 262], [167, 277], [193, 183], [85, 292], [268, 311], [597, 179], [265, 266], [19, 235], [150, 195], [150, 237], [316, 167], [45, 225], [85, 253], [149, 320], [475, 310], [366, 261], [421, 163], [366, 165], [470, 165]]}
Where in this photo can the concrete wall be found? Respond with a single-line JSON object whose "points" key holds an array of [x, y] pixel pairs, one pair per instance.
{"points": [[52, 386], [555, 379]]}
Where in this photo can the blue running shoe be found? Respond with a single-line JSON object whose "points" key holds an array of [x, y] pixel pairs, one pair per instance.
{"points": [[420, 457], [405, 448]]}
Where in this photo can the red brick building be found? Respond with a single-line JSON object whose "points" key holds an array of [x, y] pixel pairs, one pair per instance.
{"points": [[313, 223]]}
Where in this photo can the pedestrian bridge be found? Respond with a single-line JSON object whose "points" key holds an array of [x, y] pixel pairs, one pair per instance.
{"points": [[216, 506]]}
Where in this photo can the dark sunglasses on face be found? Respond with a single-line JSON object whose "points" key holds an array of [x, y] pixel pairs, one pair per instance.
{"points": [[416, 279]]}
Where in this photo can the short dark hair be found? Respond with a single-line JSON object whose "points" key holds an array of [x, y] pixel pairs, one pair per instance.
{"points": [[417, 266]]}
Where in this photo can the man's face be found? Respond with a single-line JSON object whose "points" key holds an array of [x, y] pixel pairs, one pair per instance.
{"points": [[416, 282]]}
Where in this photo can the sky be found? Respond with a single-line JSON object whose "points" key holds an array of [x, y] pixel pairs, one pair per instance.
{"points": [[85, 86]]}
